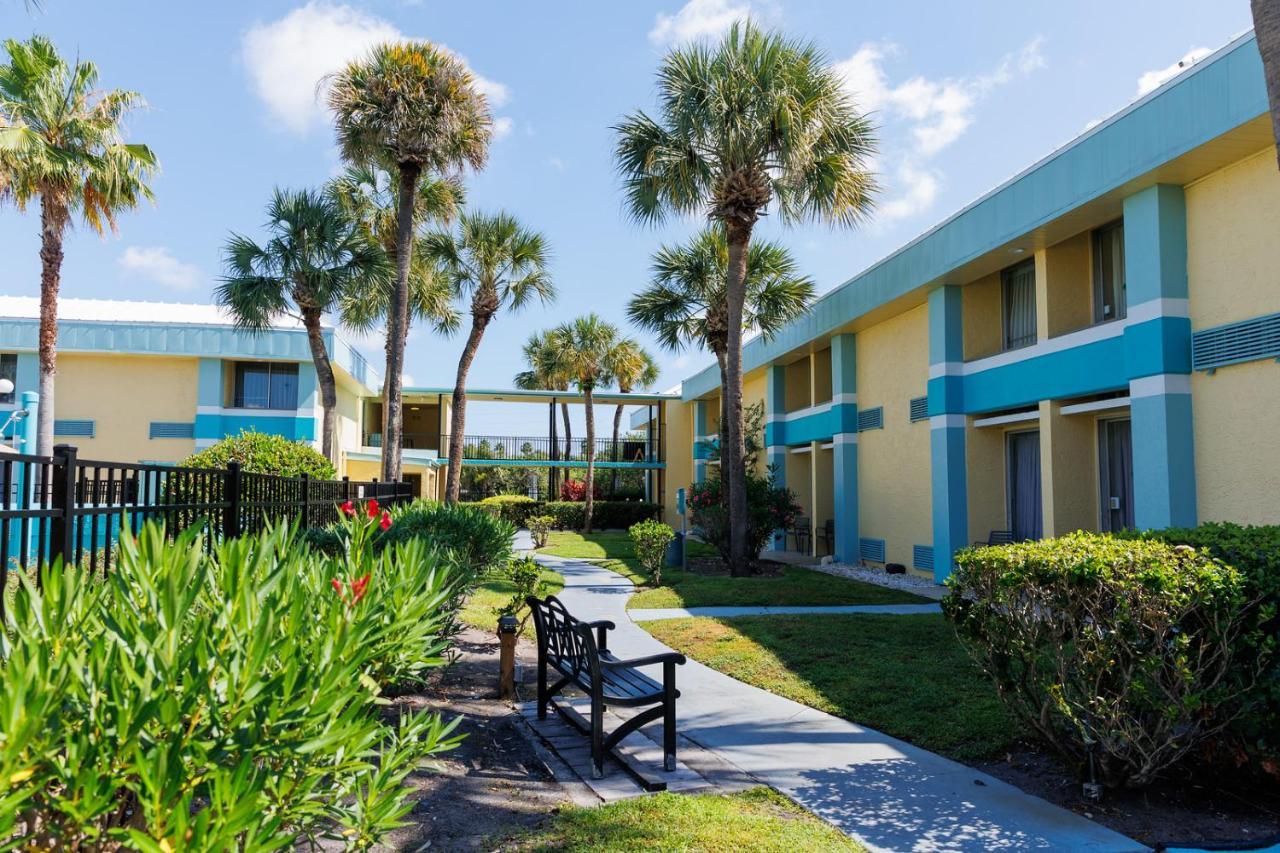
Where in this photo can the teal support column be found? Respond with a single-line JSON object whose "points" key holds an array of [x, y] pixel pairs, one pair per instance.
{"points": [[30, 405], [27, 444], [775, 448], [700, 450], [844, 455], [1158, 358], [28, 373], [947, 425]]}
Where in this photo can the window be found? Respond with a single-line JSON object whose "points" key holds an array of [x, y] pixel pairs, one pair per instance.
{"points": [[1108, 273], [1019, 283], [9, 370], [263, 385]]}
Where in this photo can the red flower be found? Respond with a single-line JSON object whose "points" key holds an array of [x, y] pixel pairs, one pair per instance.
{"points": [[348, 509], [385, 524], [372, 508], [358, 588], [337, 585]]}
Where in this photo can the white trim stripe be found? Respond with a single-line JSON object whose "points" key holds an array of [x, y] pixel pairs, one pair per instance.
{"points": [[1011, 418], [1160, 384], [1096, 406], [845, 438], [947, 422]]}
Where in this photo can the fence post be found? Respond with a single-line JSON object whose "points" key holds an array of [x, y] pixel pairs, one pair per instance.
{"points": [[231, 482], [62, 497], [306, 500], [346, 488]]}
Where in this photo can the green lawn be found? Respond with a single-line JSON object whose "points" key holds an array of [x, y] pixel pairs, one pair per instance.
{"points": [[495, 592], [759, 820], [791, 586], [904, 675]]}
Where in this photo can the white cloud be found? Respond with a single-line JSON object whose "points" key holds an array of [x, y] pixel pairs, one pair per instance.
{"points": [[928, 114], [502, 126], [1152, 80], [557, 164], [702, 18], [287, 59], [156, 264]]}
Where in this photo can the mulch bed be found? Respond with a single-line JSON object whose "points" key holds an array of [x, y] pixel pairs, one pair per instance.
{"points": [[1191, 807]]}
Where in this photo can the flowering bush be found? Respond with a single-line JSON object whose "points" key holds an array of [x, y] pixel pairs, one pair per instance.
{"points": [[194, 701], [769, 507], [540, 529], [651, 539], [576, 490]]}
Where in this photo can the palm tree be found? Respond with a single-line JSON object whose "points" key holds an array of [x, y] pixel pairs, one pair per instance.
{"points": [[631, 368], [757, 119], [684, 304], [541, 376], [1266, 27], [314, 258], [582, 351], [414, 109], [61, 141], [496, 262]]}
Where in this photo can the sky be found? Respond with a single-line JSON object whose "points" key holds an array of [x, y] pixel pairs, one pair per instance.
{"points": [[964, 95]]}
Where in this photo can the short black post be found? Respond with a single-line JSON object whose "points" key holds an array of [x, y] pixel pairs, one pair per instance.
{"points": [[62, 498], [305, 500], [669, 715], [346, 488], [231, 484]]}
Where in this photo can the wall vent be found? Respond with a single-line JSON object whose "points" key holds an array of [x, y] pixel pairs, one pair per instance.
{"points": [[919, 409], [922, 557], [1248, 340], [870, 418], [76, 429], [172, 429], [871, 549]]}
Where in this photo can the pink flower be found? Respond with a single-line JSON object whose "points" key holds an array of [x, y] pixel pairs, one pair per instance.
{"points": [[385, 524], [337, 585], [358, 588], [372, 508], [348, 509]]}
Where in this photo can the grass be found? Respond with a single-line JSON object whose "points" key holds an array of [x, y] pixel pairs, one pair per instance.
{"points": [[904, 675], [791, 586], [756, 820], [497, 591]]}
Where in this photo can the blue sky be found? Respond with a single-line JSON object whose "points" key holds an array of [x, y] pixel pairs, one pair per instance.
{"points": [[966, 94]]}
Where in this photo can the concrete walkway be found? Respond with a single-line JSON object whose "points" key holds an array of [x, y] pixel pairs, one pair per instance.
{"points": [[652, 614], [886, 793]]}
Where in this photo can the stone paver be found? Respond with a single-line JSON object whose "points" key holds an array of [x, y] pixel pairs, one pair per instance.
{"points": [[655, 613], [888, 794]]}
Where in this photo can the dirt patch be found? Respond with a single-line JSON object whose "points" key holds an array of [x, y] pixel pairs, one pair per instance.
{"points": [[1188, 807], [492, 785]]}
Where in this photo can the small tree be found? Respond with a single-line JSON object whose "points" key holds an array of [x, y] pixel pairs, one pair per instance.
{"points": [[651, 539]]}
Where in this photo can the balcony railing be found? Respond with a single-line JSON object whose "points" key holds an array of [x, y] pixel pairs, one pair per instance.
{"points": [[412, 440], [528, 448]]}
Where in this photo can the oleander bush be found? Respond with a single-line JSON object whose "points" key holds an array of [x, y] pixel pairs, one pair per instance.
{"points": [[651, 539], [224, 701], [1254, 737], [770, 507], [1119, 648]]}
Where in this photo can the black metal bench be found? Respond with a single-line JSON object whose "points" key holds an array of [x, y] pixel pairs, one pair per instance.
{"points": [[579, 653]]}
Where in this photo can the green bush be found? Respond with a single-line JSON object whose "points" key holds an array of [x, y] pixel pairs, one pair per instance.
{"points": [[605, 515], [770, 507], [264, 453], [218, 702], [1122, 647], [651, 539], [540, 529], [512, 508], [1255, 552], [525, 575]]}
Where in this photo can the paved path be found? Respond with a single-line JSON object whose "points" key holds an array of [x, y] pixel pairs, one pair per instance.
{"points": [[886, 793], [649, 615]]}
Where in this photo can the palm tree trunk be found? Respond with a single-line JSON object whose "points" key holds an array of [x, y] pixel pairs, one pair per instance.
{"points": [[53, 221], [568, 441], [1266, 26], [328, 385], [617, 423], [731, 454], [591, 462], [397, 312], [458, 420]]}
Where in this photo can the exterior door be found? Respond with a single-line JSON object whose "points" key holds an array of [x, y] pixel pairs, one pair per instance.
{"points": [[1115, 460], [1025, 515]]}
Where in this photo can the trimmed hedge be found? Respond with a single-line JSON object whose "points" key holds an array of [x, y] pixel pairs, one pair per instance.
{"points": [[512, 508], [1122, 647], [568, 515], [264, 453]]}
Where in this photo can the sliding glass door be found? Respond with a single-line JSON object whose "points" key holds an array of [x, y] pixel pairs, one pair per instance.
{"points": [[1025, 513]]}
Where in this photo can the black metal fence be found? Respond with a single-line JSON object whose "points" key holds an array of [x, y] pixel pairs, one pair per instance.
{"points": [[63, 507], [542, 448]]}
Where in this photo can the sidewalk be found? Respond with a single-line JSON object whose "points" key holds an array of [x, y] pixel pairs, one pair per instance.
{"points": [[650, 615], [884, 792]]}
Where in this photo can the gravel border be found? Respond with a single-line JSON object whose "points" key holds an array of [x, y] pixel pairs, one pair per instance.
{"points": [[905, 582]]}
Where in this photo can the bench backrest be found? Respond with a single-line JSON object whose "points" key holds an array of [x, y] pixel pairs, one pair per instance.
{"points": [[563, 640]]}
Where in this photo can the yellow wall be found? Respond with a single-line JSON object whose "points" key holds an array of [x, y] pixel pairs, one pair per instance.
{"points": [[985, 477], [1233, 217], [822, 376], [1068, 470], [824, 494], [894, 492], [980, 308], [1064, 286], [754, 387], [677, 432], [798, 385], [123, 394]]}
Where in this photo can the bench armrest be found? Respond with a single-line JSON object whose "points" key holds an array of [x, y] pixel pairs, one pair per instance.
{"points": [[602, 627], [664, 657]]}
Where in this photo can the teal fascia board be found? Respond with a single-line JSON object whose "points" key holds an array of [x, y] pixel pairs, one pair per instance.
{"points": [[946, 395], [1216, 95], [217, 427], [558, 463], [819, 426]]}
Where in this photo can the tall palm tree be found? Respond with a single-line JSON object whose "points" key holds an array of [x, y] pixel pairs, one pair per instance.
{"points": [[495, 262], [631, 368], [1266, 27], [61, 141], [414, 109], [542, 376], [314, 258], [754, 120], [582, 351], [684, 304]]}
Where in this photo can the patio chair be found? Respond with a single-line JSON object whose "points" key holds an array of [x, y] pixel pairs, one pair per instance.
{"points": [[827, 536], [802, 532], [997, 537]]}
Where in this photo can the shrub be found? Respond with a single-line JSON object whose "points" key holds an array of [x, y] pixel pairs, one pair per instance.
{"points": [[770, 507], [576, 490], [1255, 553], [540, 529], [651, 539], [1122, 648], [512, 508], [217, 702], [264, 453], [525, 575], [606, 515]]}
